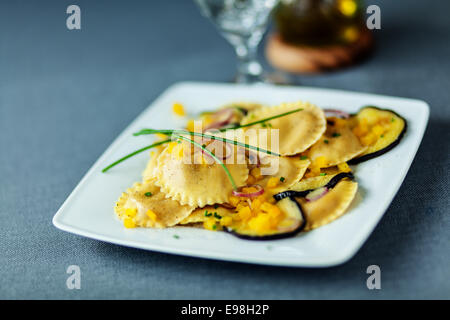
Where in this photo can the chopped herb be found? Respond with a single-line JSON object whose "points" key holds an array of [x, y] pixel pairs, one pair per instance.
{"points": [[216, 206], [217, 216], [303, 158], [326, 141], [176, 236], [392, 119], [382, 136], [323, 174], [148, 194], [282, 179], [204, 145], [214, 227], [336, 134], [270, 125], [241, 109], [264, 125], [208, 214]]}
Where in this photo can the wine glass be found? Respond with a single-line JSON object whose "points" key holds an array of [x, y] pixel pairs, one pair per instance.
{"points": [[242, 23]]}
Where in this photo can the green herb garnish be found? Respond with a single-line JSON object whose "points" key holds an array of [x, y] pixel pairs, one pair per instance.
{"points": [[323, 174], [170, 132], [216, 206], [207, 214], [241, 109], [214, 227], [176, 236], [204, 135], [326, 141], [261, 121], [336, 134], [135, 153], [217, 215], [303, 158], [282, 179], [148, 194], [392, 119]]}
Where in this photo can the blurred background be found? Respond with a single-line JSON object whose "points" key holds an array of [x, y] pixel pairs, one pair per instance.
{"points": [[66, 94]]}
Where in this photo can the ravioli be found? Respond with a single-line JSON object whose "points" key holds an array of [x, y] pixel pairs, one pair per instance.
{"points": [[329, 207], [148, 173], [288, 170], [296, 131], [339, 144], [198, 184], [144, 205]]}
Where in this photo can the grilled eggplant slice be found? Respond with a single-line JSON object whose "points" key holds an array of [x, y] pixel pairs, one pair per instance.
{"points": [[293, 222], [379, 129]]}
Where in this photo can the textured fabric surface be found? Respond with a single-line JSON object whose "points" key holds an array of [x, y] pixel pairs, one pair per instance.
{"points": [[65, 96]]}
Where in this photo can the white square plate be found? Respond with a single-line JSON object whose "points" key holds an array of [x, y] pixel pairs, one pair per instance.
{"points": [[88, 211]]}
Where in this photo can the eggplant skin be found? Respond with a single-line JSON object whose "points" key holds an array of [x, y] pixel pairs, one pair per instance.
{"points": [[386, 149], [275, 236], [301, 194]]}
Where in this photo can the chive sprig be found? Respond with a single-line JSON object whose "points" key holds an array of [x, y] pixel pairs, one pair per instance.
{"points": [[179, 135]]}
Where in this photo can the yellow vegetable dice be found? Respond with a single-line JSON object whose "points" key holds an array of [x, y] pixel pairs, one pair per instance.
{"points": [[210, 224], [344, 167], [245, 213], [272, 182], [129, 223], [378, 130], [178, 109], [226, 221], [151, 215], [131, 212]]}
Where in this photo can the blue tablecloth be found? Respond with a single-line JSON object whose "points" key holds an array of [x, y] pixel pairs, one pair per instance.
{"points": [[65, 95]]}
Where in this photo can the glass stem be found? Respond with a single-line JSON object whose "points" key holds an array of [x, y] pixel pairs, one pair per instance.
{"points": [[249, 69]]}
